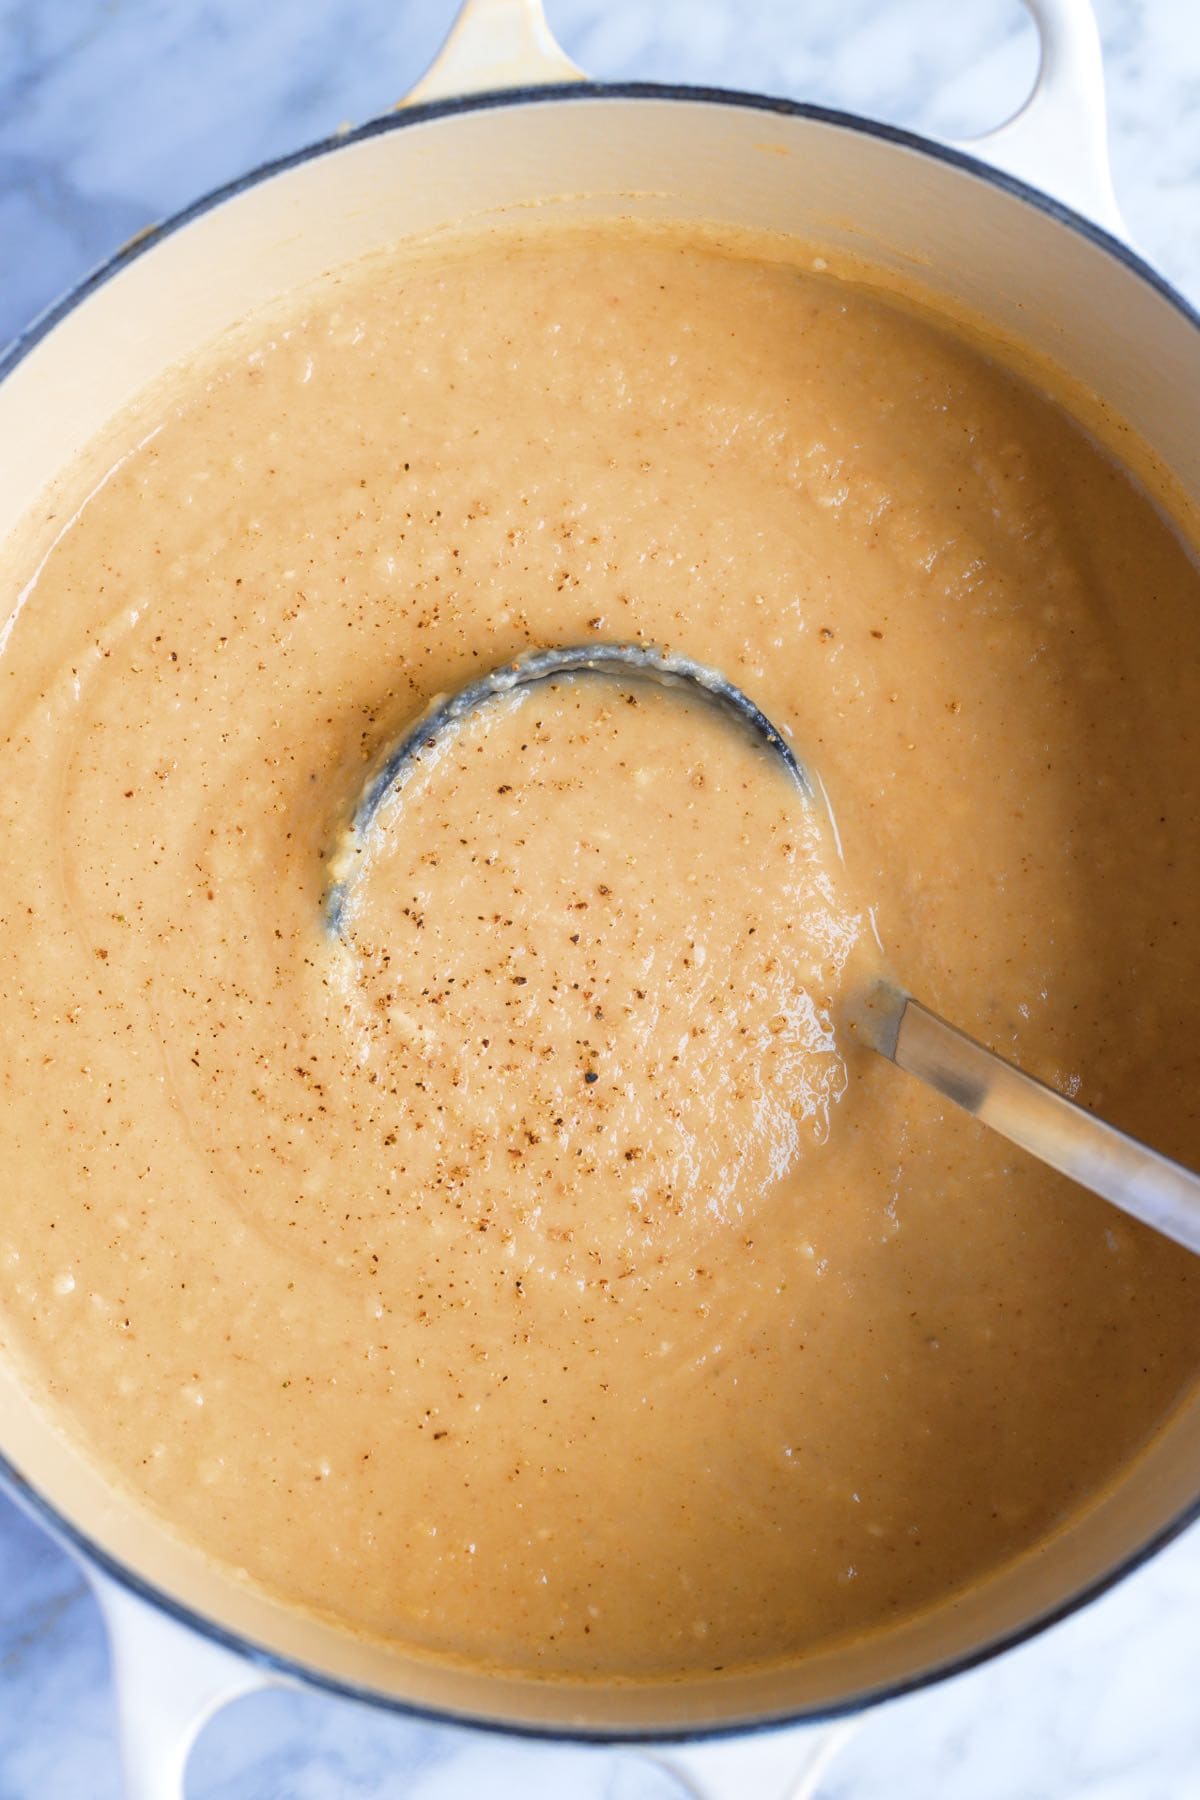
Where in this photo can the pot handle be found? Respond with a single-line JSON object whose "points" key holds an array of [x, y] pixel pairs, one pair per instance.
{"points": [[1058, 141], [495, 44], [169, 1683], [784, 1764]]}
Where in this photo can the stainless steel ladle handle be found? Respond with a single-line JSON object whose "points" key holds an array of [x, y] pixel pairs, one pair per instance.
{"points": [[1139, 1180]]}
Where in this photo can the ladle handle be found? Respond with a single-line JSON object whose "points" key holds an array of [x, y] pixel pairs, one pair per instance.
{"points": [[1142, 1183]]}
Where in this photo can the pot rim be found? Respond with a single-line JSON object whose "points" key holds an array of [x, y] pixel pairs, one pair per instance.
{"points": [[74, 1537]]}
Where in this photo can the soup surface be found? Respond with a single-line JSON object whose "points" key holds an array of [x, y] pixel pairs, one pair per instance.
{"points": [[535, 1270]]}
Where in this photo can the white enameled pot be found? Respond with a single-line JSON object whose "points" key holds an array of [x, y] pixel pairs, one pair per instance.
{"points": [[502, 123]]}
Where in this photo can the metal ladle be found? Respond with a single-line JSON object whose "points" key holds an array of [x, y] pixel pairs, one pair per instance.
{"points": [[1139, 1180]]}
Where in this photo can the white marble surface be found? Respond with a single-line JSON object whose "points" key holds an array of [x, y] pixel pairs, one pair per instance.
{"points": [[113, 114]]}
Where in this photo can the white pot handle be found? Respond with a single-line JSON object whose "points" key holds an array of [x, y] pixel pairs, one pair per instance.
{"points": [[770, 1765], [495, 44], [1058, 141], [169, 1682]]}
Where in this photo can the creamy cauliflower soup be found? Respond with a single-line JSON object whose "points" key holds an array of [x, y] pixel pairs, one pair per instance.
{"points": [[536, 1271]]}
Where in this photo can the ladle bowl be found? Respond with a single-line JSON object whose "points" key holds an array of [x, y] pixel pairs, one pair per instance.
{"points": [[1066, 1136]]}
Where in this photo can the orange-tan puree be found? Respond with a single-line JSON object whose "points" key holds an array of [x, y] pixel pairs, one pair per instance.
{"points": [[539, 1272]]}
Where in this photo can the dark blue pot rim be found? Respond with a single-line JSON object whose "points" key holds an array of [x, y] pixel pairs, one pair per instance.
{"points": [[273, 1662]]}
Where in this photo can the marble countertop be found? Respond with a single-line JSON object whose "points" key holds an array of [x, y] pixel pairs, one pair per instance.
{"points": [[112, 115]]}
